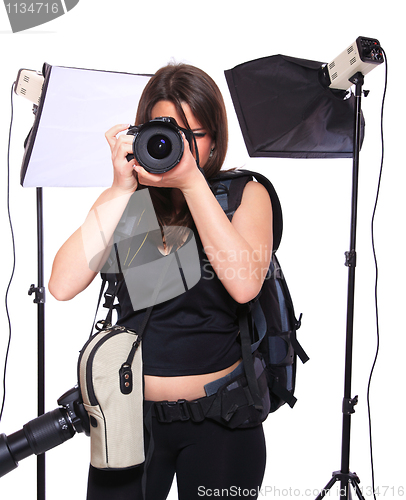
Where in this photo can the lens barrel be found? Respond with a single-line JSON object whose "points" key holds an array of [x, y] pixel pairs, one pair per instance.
{"points": [[45, 432], [38, 436], [48, 431], [158, 145]]}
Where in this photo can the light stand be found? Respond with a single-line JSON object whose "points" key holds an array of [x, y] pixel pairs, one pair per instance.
{"points": [[39, 299], [68, 110], [311, 121], [346, 477]]}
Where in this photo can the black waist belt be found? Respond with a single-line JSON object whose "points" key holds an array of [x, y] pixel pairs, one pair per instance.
{"points": [[229, 402], [172, 411]]}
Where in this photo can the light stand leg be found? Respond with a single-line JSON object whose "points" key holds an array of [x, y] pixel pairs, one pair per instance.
{"points": [[39, 299], [345, 477]]}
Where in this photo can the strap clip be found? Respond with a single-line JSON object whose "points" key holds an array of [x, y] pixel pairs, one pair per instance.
{"points": [[171, 411]]}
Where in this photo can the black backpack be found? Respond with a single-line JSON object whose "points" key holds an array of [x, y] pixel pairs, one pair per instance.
{"points": [[266, 378], [268, 324]]}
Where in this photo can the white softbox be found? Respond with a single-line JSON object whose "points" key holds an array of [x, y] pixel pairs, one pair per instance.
{"points": [[66, 146]]}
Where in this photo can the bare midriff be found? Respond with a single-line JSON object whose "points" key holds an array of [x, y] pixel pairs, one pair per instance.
{"points": [[187, 387]]}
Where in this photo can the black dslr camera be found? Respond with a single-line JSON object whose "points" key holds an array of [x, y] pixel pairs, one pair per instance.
{"points": [[45, 432], [158, 144]]}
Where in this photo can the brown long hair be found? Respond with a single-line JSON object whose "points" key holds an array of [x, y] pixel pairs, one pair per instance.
{"points": [[179, 84]]}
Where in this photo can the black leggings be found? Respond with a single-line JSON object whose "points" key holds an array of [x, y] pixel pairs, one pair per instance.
{"points": [[207, 458]]}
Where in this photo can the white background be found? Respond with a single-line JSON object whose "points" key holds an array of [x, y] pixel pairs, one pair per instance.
{"points": [[304, 444]]}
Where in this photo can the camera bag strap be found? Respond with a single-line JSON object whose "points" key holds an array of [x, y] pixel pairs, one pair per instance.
{"points": [[111, 383], [114, 282]]}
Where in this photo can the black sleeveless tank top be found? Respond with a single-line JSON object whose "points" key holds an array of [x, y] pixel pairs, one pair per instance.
{"points": [[191, 334]]}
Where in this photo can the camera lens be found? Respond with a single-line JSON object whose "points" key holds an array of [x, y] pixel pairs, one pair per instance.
{"points": [[159, 147]]}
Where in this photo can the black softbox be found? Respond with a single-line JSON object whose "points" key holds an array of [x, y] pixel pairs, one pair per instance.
{"points": [[285, 110]]}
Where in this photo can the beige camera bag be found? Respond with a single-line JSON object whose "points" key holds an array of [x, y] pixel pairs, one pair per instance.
{"points": [[111, 387]]}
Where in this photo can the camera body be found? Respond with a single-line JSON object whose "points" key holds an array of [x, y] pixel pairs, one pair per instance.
{"points": [[158, 144]]}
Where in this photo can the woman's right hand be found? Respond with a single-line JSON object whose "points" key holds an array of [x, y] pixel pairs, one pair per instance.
{"points": [[125, 178]]}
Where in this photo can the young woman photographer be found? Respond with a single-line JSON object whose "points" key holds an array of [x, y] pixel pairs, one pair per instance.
{"points": [[199, 327]]}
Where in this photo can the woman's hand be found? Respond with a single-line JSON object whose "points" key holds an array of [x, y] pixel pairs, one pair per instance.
{"points": [[84, 253], [125, 178]]}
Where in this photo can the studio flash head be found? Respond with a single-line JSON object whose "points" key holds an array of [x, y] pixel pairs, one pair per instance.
{"points": [[362, 56], [158, 144]]}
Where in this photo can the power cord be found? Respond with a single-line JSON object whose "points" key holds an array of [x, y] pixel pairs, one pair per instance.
{"points": [[376, 278], [14, 259]]}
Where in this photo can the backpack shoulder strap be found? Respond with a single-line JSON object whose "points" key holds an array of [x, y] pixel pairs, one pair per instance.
{"points": [[228, 187], [228, 192]]}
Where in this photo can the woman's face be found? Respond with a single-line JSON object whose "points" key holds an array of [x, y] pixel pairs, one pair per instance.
{"points": [[204, 140]]}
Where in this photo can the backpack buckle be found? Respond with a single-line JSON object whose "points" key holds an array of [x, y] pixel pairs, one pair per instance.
{"points": [[298, 323], [171, 411]]}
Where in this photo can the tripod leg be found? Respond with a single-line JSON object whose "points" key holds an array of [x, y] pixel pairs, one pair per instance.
{"points": [[327, 488], [357, 490], [346, 481]]}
